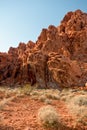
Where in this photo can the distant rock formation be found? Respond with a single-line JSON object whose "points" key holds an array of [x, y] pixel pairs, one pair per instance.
{"points": [[58, 58]]}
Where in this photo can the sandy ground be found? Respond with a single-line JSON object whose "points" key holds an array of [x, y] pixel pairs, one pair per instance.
{"points": [[21, 113]]}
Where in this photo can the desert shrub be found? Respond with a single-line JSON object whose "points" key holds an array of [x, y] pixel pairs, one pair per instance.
{"points": [[52, 96], [49, 118], [81, 122], [33, 93], [48, 101], [34, 97], [25, 90], [67, 94], [78, 104], [80, 100], [45, 94], [42, 98], [78, 107]]}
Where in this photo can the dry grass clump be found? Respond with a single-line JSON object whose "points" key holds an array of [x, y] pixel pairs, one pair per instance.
{"points": [[78, 104], [42, 98], [48, 101], [67, 94], [78, 107], [80, 100], [49, 118], [5, 101], [81, 120], [52, 96], [76, 101], [8, 92], [45, 94], [25, 90]]}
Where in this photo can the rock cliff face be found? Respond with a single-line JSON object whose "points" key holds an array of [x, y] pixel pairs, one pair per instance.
{"points": [[58, 58]]}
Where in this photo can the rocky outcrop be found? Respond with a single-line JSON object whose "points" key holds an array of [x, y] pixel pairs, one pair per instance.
{"points": [[58, 58]]}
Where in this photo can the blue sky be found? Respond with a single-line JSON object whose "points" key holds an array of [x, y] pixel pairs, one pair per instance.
{"points": [[23, 20]]}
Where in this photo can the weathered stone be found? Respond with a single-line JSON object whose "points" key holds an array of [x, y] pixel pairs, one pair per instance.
{"points": [[58, 58]]}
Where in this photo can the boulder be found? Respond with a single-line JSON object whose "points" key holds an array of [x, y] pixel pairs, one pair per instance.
{"points": [[58, 59]]}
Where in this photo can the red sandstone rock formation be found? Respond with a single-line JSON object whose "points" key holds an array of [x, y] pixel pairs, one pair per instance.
{"points": [[57, 59]]}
